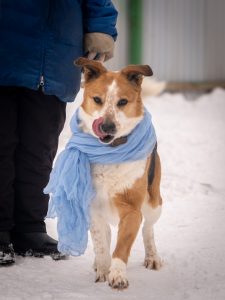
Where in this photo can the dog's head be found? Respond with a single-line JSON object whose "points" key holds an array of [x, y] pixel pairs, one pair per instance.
{"points": [[112, 105]]}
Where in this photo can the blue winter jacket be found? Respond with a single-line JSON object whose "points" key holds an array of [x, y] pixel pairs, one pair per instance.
{"points": [[40, 39]]}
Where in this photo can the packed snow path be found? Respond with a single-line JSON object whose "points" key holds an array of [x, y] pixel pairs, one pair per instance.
{"points": [[190, 235]]}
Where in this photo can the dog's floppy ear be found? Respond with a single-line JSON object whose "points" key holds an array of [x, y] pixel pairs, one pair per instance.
{"points": [[135, 73], [92, 69]]}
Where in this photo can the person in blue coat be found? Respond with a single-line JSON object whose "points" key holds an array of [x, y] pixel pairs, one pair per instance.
{"points": [[39, 41]]}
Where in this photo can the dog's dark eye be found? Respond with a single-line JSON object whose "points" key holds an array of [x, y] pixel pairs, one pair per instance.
{"points": [[122, 102], [98, 100]]}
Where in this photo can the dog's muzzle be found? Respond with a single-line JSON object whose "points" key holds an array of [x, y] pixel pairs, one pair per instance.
{"points": [[105, 130]]}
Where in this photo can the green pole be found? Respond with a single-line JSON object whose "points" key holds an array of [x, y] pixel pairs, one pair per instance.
{"points": [[135, 31]]}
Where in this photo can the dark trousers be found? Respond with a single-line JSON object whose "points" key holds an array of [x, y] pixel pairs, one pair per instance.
{"points": [[30, 124]]}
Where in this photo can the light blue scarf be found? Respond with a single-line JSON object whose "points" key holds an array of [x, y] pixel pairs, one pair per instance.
{"points": [[71, 183]]}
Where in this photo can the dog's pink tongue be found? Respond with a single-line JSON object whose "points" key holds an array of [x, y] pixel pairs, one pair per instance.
{"points": [[96, 127]]}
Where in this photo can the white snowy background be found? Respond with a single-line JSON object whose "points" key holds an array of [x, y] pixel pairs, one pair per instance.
{"points": [[190, 234]]}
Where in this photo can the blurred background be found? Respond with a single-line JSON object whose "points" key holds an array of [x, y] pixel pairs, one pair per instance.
{"points": [[182, 40]]}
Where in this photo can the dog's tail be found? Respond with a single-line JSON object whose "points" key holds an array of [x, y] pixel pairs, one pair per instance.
{"points": [[152, 87]]}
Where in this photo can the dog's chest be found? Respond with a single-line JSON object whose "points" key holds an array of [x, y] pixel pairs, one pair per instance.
{"points": [[109, 180]]}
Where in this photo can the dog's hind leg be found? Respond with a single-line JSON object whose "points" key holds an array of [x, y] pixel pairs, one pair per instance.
{"points": [[151, 215], [101, 237], [151, 211]]}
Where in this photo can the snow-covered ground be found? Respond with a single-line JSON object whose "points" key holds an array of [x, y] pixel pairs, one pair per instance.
{"points": [[190, 234]]}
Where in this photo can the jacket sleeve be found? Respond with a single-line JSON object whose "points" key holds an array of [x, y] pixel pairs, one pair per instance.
{"points": [[100, 16]]}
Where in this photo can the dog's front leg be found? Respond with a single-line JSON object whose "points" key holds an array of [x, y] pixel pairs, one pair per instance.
{"points": [[101, 237], [130, 220]]}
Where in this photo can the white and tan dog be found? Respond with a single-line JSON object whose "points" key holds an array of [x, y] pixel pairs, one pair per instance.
{"points": [[111, 109]]}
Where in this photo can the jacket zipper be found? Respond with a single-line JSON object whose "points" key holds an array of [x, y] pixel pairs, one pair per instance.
{"points": [[42, 83]]}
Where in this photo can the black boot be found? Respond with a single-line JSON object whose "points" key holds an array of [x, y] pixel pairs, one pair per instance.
{"points": [[35, 244], [7, 254]]}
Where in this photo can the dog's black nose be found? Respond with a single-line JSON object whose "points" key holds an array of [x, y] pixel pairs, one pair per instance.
{"points": [[108, 127]]}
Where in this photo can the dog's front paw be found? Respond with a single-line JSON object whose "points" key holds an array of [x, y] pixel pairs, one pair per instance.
{"points": [[101, 275], [153, 262], [118, 280], [101, 267], [117, 275]]}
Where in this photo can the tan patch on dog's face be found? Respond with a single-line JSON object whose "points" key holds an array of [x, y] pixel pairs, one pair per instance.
{"points": [[111, 88]]}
